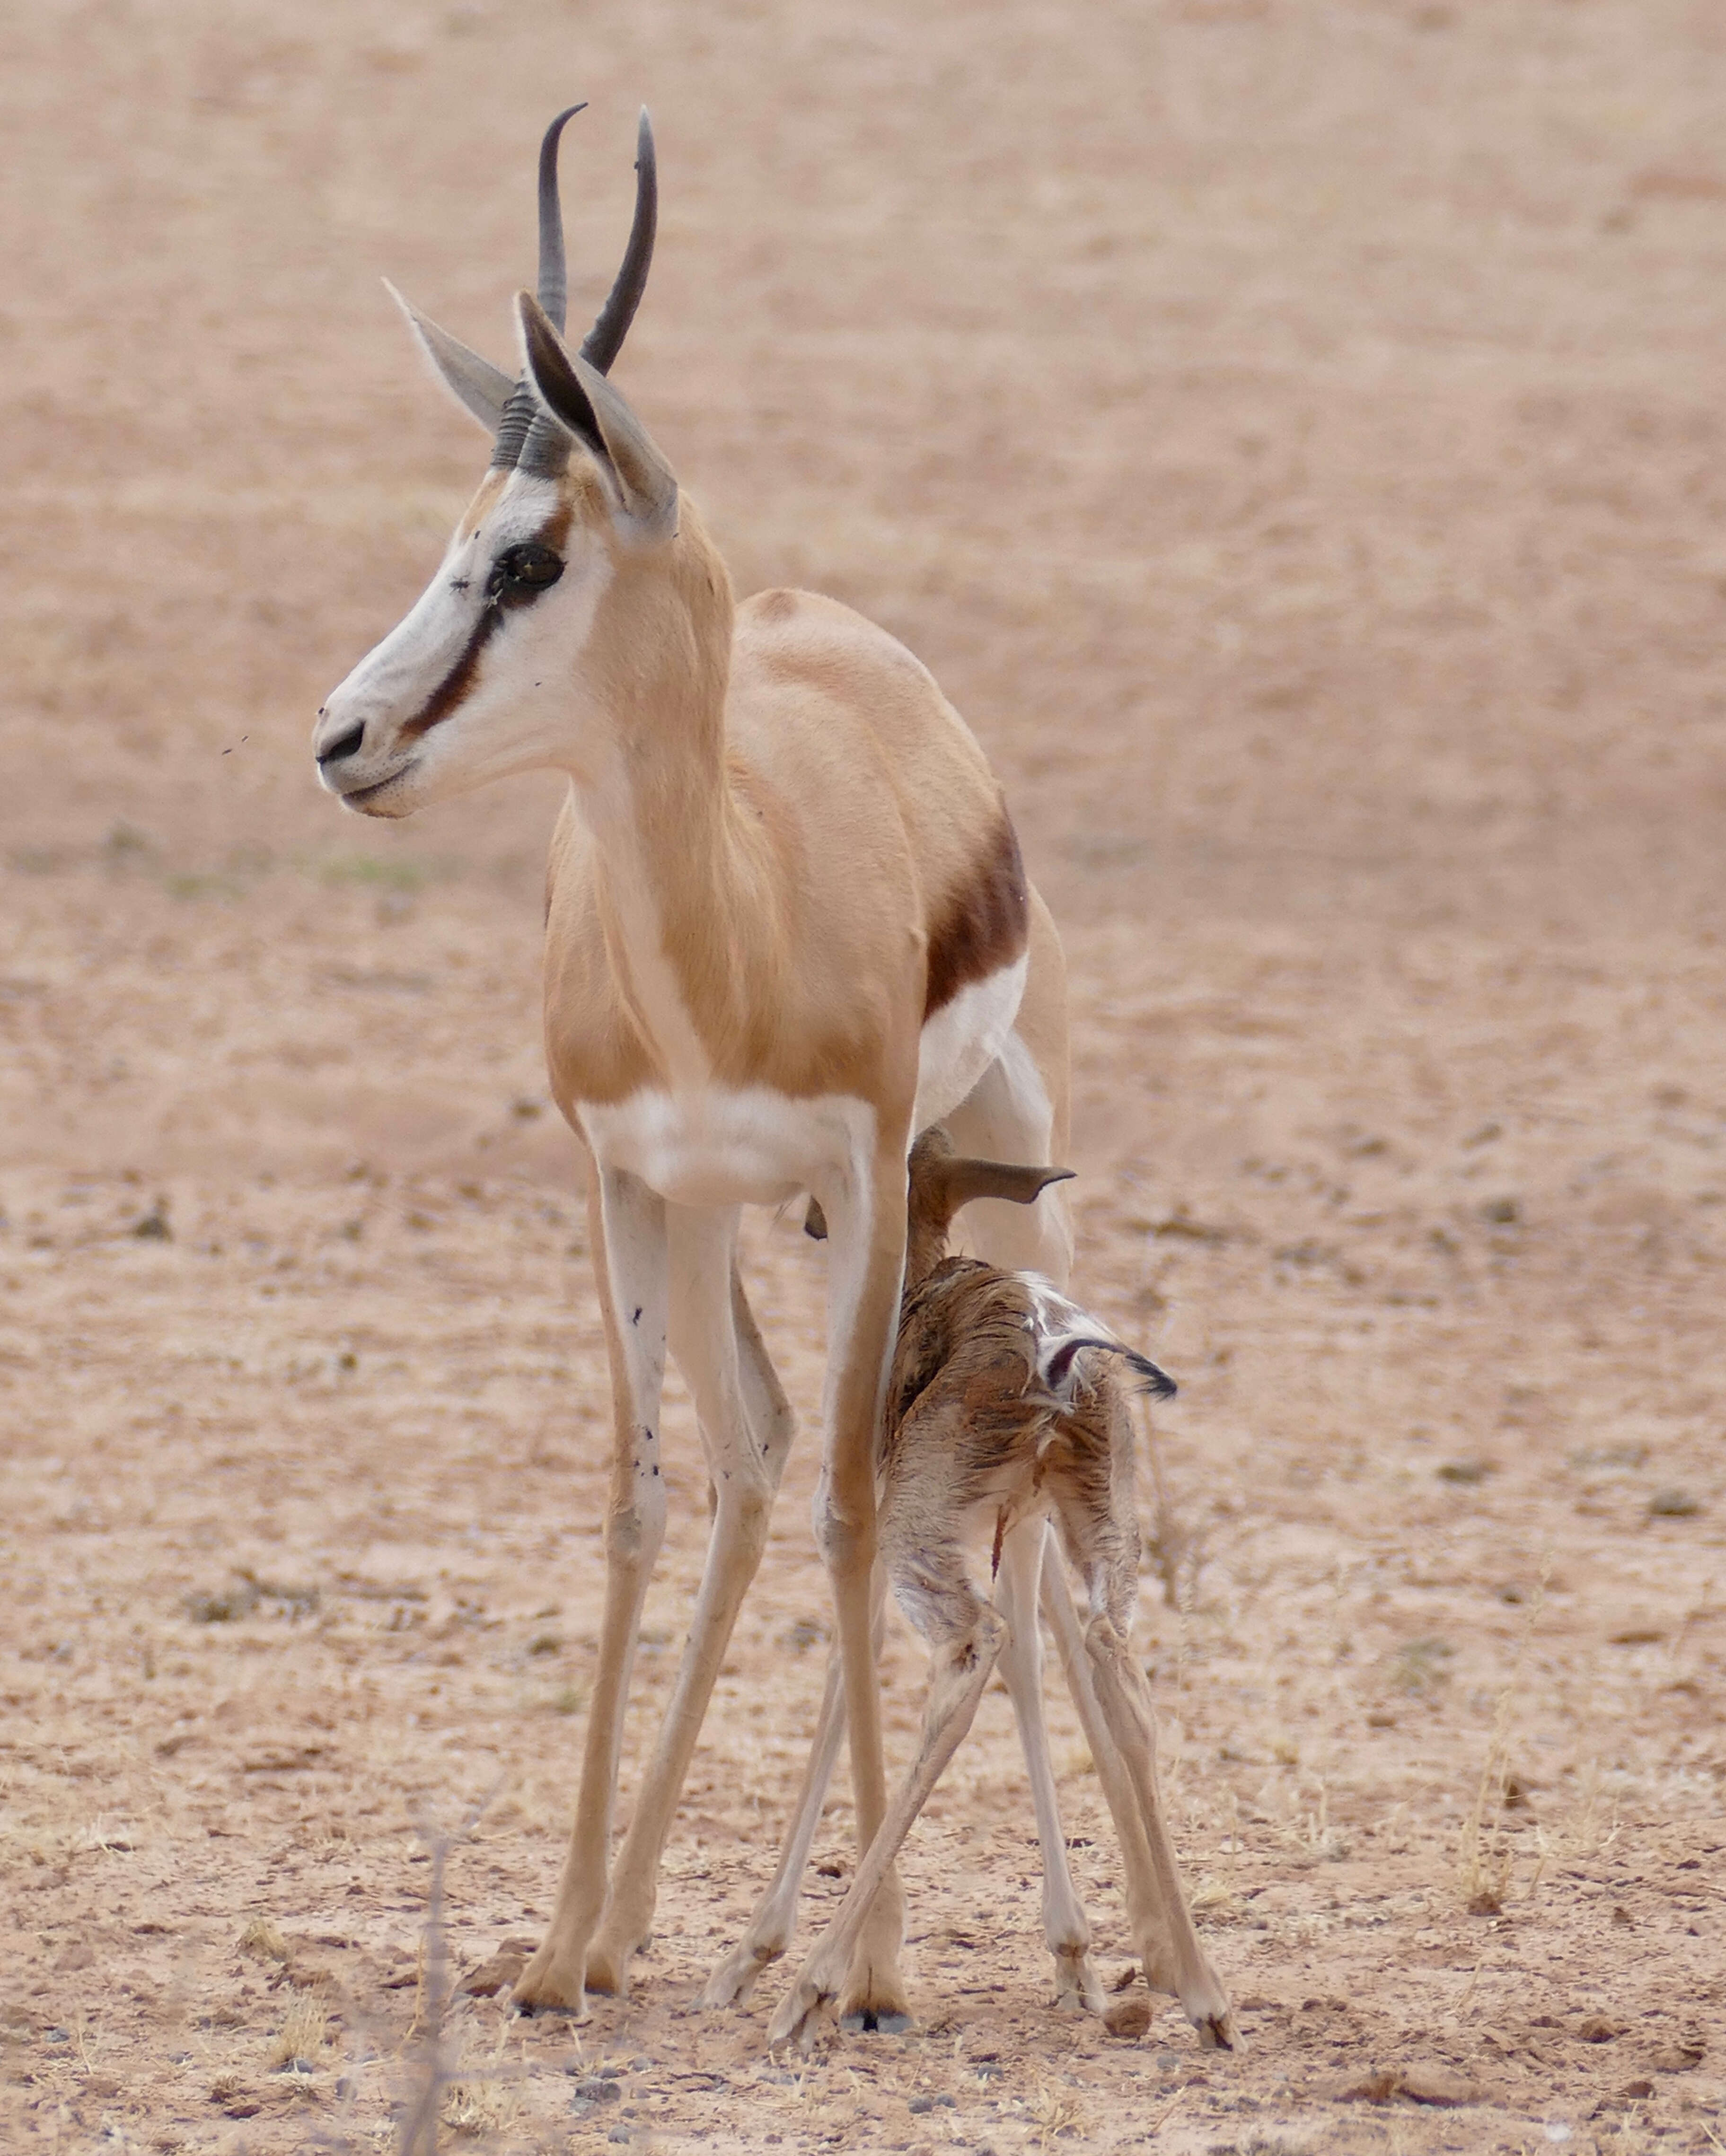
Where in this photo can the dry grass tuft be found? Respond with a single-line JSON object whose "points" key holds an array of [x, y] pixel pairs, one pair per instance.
{"points": [[1214, 1897], [1055, 2114], [300, 2042], [262, 1940], [1483, 1862], [1176, 1553], [1591, 1825], [486, 2102], [1417, 1667]]}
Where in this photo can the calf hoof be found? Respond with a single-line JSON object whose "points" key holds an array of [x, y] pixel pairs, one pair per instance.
{"points": [[799, 2017], [735, 1977]]}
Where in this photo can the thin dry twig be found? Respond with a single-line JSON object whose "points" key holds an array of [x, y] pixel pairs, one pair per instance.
{"points": [[435, 2072]]}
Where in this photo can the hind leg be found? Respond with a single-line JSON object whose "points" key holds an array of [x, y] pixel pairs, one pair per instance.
{"points": [[1100, 1526], [1146, 1919], [1018, 1110]]}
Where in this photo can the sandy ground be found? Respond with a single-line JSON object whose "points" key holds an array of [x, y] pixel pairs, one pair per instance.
{"points": [[1292, 432]]}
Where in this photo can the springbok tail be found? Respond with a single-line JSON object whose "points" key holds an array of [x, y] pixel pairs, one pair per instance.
{"points": [[1057, 1372]]}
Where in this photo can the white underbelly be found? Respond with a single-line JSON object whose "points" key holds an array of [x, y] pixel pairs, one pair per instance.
{"points": [[700, 1144], [712, 1145]]}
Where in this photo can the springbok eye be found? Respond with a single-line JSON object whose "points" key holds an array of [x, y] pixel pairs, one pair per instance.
{"points": [[522, 573]]}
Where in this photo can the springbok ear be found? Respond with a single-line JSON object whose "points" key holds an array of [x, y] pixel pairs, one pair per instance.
{"points": [[963, 1179], [581, 399], [478, 386]]}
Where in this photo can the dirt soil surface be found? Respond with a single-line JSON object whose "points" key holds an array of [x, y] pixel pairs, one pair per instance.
{"points": [[1293, 434]]}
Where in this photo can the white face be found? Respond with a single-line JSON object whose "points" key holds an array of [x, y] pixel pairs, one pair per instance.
{"points": [[484, 678]]}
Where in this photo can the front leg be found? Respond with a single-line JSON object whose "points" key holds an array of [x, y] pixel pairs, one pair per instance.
{"points": [[627, 1234], [865, 1219], [746, 1427]]}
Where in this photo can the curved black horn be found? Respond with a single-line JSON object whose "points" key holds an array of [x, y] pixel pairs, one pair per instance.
{"points": [[604, 340], [553, 276]]}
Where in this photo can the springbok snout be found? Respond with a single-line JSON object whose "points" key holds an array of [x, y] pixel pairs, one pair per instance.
{"points": [[338, 751]]}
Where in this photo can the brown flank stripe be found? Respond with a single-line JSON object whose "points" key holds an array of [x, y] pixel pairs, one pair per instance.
{"points": [[986, 924]]}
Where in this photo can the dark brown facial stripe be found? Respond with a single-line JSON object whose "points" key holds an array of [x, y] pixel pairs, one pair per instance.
{"points": [[986, 923], [453, 689], [456, 684]]}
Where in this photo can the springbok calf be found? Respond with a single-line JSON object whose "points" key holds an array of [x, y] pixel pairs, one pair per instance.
{"points": [[787, 928], [1005, 1411]]}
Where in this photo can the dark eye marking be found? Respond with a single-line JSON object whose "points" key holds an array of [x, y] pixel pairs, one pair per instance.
{"points": [[520, 574]]}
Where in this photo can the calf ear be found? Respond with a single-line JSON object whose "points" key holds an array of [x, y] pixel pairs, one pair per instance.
{"points": [[475, 383], [965, 1179], [583, 403]]}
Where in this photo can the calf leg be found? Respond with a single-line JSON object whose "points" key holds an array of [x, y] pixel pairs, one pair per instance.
{"points": [[1064, 1924], [1105, 1541], [957, 1675], [1126, 1701], [775, 1923], [1147, 1917]]}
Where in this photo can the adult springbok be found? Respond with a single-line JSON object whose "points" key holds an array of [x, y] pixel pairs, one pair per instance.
{"points": [[787, 928]]}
